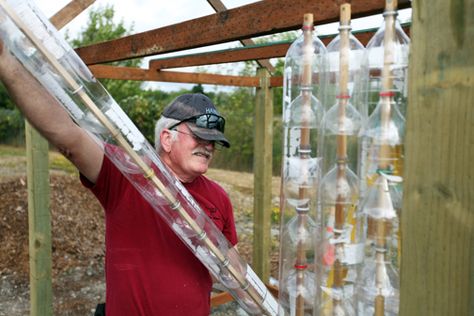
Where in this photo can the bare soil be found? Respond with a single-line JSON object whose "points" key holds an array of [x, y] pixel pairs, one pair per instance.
{"points": [[78, 238]]}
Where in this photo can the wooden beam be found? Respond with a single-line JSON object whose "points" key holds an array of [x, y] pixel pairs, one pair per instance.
{"points": [[218, 6], [69, 12], [39, 216], [220, 299], [129, 73], [271, 50], [39, 223], [437, 270], [235, 24], [276, 81], [139, 74], [262, 170], [223, 56]]}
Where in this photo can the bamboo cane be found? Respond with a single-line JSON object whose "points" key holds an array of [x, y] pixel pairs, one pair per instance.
{"points": [[146, 170], [305, 150], [339, 270], [381, 228]]}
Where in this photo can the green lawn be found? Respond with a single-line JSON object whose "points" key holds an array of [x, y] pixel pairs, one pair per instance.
{"points": [[56, 160]]}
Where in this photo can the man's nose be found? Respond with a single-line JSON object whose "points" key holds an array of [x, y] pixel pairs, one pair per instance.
{"points": [[209, 144]]}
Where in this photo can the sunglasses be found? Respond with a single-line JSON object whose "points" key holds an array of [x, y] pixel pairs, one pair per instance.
{"points": [[209, 121]]}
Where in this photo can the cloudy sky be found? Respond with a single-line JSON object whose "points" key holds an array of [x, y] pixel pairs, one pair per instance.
{"points": [[145, 15]]}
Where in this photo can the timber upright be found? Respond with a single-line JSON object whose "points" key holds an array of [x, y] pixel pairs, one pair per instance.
{"points": [[302, 114]]}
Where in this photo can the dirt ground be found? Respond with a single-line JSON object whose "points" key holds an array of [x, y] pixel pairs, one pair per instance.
{"points": [[78, 238]]}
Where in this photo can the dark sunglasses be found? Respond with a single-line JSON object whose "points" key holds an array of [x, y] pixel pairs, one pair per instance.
{"points": [[209, 121]]}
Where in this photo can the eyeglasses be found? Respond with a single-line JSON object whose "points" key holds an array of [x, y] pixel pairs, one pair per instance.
{"points": [[209, 121], [198, 139]]}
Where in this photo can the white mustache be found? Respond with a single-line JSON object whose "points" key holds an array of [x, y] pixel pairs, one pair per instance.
{"points": [[203, 151]]}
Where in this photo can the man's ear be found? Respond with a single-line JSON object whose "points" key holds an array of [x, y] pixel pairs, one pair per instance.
{"points": [[166, 140]]}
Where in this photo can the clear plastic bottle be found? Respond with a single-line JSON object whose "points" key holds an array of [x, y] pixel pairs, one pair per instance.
{"points": [[388, 47], [381, 142], [377, 285]]}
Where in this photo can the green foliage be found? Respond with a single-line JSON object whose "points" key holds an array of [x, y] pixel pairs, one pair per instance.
{"points": [[99, 28], [237, 108], [12, 125]]}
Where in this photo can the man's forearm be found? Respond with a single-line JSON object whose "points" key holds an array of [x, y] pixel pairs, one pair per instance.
{"points": [[45, 113], [36, 104]]}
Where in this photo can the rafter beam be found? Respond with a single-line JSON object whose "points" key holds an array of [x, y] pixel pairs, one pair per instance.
{"points": [[223, 56], [235, 24], [140, 74], [69, 12], [218, 6], [272, 50]]}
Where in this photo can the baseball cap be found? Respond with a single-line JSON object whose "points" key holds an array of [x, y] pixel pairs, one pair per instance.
{"points": [[200, 115]]}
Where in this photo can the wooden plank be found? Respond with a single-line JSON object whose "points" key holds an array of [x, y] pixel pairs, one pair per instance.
{"points": [[39, 217], [276, 81], [437, 271], [220, 299], [69, 12], [235, 24], [39, 223], [218, 6], [129, 73], [271, 50], [223, 56], [262, 206]]}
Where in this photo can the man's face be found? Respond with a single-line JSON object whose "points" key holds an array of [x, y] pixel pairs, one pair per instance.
{"points": [[190, 156]]}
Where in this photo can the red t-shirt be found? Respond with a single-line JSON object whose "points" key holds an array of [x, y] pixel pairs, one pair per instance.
{"points": [[148, 269]]}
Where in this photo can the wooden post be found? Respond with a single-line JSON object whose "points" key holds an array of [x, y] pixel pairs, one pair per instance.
{"points": [[437, 272], [262, 169], [39, 217], [39, 222]]}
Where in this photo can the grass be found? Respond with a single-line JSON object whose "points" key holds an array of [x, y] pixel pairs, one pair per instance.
{"points": [[9, 151], [56, 160]]}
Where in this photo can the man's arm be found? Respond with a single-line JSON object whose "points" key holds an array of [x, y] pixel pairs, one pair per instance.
{"points": [[49, 118]]}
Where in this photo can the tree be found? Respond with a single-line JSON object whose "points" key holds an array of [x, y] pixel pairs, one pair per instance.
{"points": [[101, 27], [142, 106], [12, 125]]}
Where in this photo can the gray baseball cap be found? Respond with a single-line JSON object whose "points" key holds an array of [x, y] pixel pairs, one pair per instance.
{"points": [[200, 115]]}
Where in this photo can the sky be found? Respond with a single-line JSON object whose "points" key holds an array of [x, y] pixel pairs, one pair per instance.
{"points": [[146, 15]]}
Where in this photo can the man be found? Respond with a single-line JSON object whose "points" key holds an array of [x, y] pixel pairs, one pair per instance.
{"points": [[149, 271]]}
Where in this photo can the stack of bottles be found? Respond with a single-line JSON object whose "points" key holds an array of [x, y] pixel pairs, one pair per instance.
{"points": [[343, 125], [301, 170], [381, 167], [340, 246]]}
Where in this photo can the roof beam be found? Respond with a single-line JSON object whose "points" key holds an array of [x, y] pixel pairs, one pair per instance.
{"points": [[218, 6], [140, 74], [235, 24], [272, 50], [223, 56], [69, 12]]}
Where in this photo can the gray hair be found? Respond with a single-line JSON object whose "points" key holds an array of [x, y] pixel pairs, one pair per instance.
{"points": [[161, 124]]}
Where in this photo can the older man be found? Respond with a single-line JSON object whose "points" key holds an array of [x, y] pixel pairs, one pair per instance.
{"points": [[149, 271]]}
